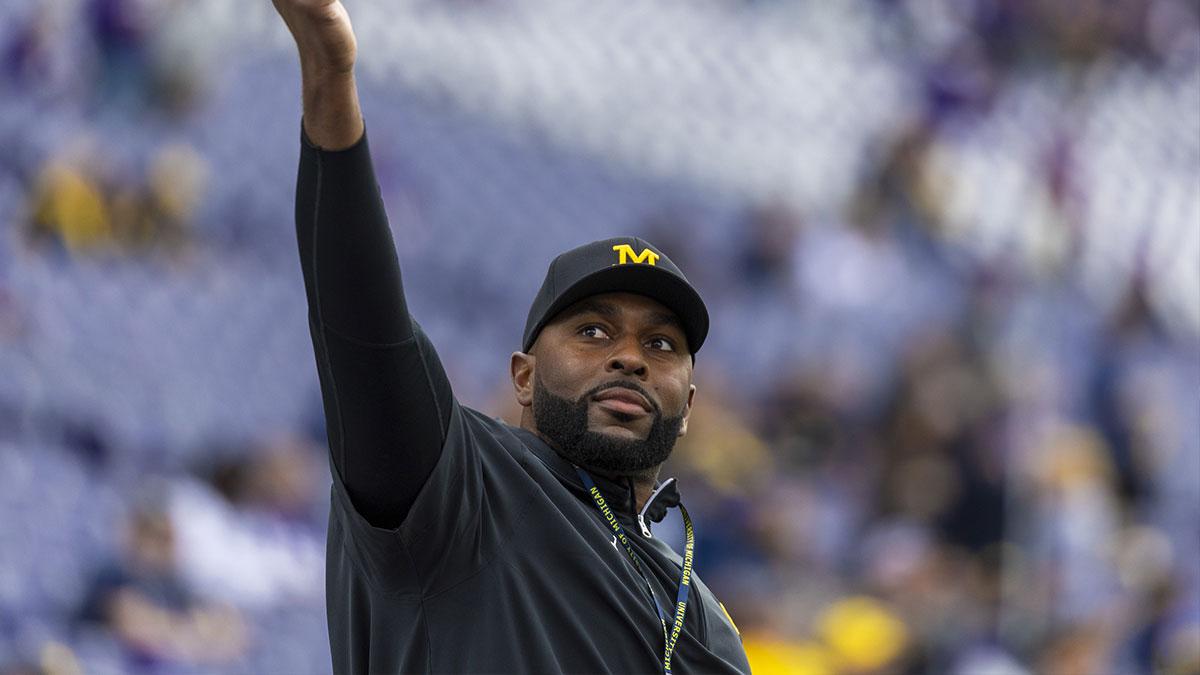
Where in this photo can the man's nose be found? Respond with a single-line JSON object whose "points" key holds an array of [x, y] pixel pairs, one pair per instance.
{"points": [[627, 358]]}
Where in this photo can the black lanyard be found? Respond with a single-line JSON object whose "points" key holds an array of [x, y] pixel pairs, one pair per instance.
{"points": [[685, 580]]}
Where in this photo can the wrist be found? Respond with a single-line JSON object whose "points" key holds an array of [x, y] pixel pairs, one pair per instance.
{"points": [[321, 72], [332, 118]]}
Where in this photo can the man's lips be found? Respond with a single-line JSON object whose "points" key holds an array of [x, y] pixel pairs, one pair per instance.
{"points": [[627, 401]]}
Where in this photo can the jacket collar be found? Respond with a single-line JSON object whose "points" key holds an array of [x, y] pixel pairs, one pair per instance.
{"points": [[619, 492]]}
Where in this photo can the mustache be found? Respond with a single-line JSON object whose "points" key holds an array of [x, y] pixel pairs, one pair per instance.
{"points": [[623, 384]]}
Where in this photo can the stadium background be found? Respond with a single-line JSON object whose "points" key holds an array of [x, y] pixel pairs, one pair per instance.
{"points": [[949, 414]]}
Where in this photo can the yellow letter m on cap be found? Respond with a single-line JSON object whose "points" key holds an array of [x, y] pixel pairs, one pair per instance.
{"points": [[646, 256]]}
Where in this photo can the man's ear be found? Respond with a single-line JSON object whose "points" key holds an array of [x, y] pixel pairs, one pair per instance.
{"points": [[521, 368], [687, 411]]}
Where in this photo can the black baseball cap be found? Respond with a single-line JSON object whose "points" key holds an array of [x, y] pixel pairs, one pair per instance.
{"points": [[620, 264]]}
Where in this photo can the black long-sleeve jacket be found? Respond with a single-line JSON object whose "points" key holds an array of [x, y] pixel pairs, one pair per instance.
{"points": [[458, 543]]}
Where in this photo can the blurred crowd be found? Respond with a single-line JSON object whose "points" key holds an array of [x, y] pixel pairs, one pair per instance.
{"points": [[911, 453]]}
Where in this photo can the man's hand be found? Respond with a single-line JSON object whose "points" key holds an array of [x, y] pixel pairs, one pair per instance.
{"points": [[328, 49], [323, 34]]}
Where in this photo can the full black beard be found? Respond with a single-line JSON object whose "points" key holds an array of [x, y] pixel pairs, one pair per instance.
{"points": [[565, 423]]}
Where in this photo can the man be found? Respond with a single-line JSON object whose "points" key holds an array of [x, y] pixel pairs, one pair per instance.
{"points": [[458, 543]]}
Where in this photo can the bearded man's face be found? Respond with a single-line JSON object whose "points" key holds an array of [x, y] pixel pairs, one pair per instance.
{"points": [[610, 384]]}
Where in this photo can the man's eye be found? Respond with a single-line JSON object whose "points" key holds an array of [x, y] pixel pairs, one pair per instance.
{"points": [[593, 332], [661, 344]]}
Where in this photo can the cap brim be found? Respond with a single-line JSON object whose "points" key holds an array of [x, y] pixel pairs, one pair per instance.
{"points": [[673, 292]]}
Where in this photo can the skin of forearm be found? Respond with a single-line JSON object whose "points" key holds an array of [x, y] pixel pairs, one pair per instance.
{"points": [[332, 117]]}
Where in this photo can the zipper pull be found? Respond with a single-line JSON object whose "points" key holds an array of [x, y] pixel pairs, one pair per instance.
{"points": [[664, 492]]}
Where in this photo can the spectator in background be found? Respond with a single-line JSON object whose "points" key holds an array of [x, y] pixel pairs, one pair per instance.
{"points": [[143, 602], [29, 56], [69, 208], [121, 30], [80, 204], [251, 538], [156, 215], [766, 261], [145, 56]]}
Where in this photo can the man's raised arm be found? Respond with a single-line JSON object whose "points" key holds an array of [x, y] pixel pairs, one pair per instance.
{"points": [[387, 400]]}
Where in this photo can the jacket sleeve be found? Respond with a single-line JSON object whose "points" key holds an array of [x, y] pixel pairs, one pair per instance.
{"points": [[386, 396]]}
